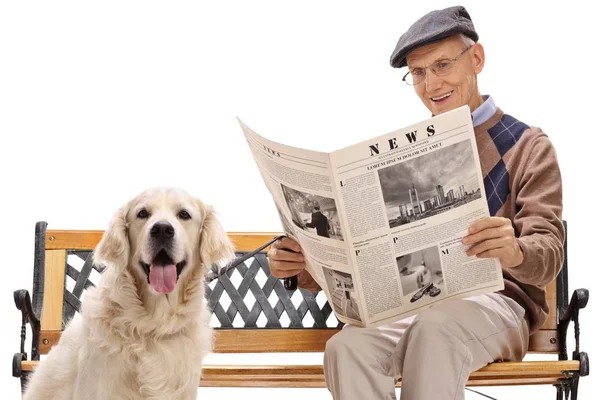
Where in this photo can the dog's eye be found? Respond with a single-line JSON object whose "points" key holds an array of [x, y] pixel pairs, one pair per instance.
{"points": [[183, 214], [143, 214]]}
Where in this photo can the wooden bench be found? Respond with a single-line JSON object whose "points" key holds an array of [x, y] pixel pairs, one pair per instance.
{"points": [[254, 313]]}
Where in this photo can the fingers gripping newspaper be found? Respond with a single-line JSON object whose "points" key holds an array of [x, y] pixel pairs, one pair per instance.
{"points": [[381, 222]]}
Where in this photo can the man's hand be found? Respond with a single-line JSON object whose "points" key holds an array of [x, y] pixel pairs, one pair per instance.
{"points": [[494, 237], [285, 258]]}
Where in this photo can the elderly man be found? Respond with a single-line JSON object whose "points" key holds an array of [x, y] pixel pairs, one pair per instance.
{"points": [[435, 351]]}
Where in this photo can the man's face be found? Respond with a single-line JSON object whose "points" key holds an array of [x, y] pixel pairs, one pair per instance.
{"points": [[459, 87]]}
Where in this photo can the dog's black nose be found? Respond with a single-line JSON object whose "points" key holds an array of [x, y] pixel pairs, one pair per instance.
{"points": [[162, 231]]}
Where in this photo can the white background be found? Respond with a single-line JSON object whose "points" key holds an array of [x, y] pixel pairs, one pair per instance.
{"points": [[101, 100]]}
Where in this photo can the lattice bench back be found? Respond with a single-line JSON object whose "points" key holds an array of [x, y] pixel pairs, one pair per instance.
{"points": [[252, 311], [244, 302]]}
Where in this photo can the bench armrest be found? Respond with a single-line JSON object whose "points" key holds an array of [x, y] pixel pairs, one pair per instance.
{"points": [[578, 301], [23, 303]]}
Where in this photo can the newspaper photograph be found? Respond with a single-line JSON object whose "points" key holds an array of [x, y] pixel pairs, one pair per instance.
{"points": [[429, 185], [381, 222], [310, 211]]}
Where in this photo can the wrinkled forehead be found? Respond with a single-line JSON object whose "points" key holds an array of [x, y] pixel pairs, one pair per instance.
{"points": [[425, 55]]}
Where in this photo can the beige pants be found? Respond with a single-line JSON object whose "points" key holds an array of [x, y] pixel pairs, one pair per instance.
{"points": [[434, 352]]}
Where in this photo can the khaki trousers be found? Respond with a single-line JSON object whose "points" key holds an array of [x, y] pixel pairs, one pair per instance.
{"points": [[434, 352]]}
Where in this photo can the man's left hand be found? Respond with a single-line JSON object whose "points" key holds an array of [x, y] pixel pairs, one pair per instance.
{"points": [[494, 237]]}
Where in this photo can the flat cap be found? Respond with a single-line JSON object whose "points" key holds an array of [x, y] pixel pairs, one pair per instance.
{"points": [[433, 27]]}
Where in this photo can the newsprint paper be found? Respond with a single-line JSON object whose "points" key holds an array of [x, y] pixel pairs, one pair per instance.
{"points": [[381, 222]]}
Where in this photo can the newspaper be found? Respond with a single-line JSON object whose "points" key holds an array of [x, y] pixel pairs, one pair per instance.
{"points": [[381, 222]]}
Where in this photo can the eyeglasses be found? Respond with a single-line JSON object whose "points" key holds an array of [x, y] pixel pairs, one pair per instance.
{"points": [[439, 68]]}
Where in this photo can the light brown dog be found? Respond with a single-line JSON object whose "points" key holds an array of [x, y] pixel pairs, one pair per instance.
{"points": [[144, 331]]}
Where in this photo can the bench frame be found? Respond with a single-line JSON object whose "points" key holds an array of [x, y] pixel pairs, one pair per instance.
{"points": [[564, 374]]}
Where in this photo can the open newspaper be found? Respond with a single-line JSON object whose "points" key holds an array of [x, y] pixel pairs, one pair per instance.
{"points": [[381, 222]]}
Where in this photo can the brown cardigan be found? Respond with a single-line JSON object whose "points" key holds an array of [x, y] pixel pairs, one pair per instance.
{"points": [[534, 204]]}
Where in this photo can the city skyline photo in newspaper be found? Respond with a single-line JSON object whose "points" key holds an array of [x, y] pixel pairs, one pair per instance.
{"points": [[429, 185]]}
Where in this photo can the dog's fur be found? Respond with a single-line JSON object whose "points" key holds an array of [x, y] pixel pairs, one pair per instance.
{"points": [[132, 342]]}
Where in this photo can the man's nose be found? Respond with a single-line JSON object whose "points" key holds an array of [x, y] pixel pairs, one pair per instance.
{"points": [[432, 81]]}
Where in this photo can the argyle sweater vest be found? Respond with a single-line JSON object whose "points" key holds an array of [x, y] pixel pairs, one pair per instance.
{"points": [[523, 183]]}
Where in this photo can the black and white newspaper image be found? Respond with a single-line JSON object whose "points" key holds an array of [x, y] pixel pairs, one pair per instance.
{"points": [[343, 295], [313, 213], [429, 185], [286, 223], [421, 274], [381, 221]]}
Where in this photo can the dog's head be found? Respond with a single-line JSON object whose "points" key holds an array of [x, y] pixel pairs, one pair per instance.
{"points": [[163, 234]]}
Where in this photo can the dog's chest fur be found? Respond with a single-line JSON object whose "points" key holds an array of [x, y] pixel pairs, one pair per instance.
{"points": [[134, 361], [165, 368]]}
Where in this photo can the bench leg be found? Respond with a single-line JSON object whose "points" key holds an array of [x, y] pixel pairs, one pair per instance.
{"points": [[560, 392], [574, 387], [566, 389]]}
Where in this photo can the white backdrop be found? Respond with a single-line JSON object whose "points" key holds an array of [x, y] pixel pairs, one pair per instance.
{"points": [[101, 100]]}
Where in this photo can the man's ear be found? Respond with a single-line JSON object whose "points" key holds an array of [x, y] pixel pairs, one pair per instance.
{"points": [[113, 249], [215, 245], [478, 57]]}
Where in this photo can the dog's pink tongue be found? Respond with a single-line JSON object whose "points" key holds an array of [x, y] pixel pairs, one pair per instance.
{"points": [[163, 278]]}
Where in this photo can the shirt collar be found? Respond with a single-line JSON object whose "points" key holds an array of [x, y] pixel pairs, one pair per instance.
{"points": [[484, 111]]}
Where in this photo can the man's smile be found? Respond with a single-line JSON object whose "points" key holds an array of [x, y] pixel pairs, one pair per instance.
{"points": [[443, 97]]}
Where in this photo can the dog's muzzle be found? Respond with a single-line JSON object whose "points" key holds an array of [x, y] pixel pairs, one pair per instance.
{"points": [[163, 272]]}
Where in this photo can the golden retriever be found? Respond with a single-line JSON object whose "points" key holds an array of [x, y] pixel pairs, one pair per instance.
{"points": [[144, 330]]}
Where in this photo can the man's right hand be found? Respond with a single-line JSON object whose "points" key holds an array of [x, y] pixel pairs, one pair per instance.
{"points": [[285, 258]]}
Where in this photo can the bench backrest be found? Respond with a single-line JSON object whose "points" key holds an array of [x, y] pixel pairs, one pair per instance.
{"points": [[252, 311]]}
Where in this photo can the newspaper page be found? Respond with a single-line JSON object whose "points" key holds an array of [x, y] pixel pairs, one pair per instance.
{"points": [[398, 205], [409, 198], [301, 184]]}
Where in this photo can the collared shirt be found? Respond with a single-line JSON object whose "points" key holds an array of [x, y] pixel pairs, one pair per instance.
{"points": [[484, 111]]}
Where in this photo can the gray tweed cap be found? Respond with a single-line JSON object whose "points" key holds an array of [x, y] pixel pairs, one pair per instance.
{"points": [[433, 27]]}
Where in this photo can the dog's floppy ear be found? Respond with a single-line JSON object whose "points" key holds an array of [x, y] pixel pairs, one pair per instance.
{"points": [[215, 245], [113, 249]]}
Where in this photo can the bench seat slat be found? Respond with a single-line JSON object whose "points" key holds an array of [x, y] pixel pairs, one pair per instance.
{"points": [[540, 368], [266, 340], [497, 374], [319, 382]]}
